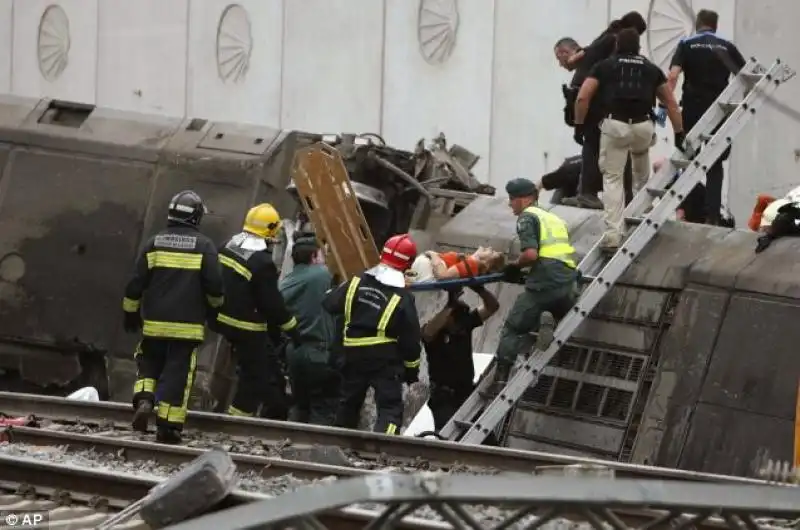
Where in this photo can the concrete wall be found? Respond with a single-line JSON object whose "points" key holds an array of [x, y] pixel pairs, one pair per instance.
{"points": [[357, 65], [689, 362]]}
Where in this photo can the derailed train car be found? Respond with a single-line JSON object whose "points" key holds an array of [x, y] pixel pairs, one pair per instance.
{"points": [[82, 186]]}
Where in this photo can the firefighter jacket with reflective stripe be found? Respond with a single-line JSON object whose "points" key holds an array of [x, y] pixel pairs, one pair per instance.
{"points": [[252, 299], [379, 320], [176, 278], [554, 236]]}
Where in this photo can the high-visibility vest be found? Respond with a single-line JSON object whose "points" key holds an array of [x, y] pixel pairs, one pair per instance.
{"points": [[380, 329], [553, 236]]}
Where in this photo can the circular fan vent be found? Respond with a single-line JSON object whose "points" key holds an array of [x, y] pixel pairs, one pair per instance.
{"points": [[53, 44], [668, 21], [437, 25], [234, 44]]}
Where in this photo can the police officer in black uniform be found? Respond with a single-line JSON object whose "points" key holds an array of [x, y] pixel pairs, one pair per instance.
{"points": [[707, 63], [254, 316], [448, 349], [628, 85], [176, 280], [587, 133], [380, 337]]}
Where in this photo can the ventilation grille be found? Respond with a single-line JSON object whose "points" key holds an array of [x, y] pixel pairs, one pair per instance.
{"points": [[590, 383]]}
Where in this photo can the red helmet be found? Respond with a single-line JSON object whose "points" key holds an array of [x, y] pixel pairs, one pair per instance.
{"points": [[399, 252]]}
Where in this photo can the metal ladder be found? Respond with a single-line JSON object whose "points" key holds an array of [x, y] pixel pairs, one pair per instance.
{"points": [[704, 144]]}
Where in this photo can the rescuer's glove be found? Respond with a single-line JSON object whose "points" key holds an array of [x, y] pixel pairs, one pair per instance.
{"points": [[452, 297], [132, 322], [512, 273], [763, 242], [577, 135]]}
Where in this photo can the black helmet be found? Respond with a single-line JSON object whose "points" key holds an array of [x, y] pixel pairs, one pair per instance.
{"points": [[186, 207]]}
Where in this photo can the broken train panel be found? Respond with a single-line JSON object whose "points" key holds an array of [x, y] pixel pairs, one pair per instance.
{"points": [[80, 189]]}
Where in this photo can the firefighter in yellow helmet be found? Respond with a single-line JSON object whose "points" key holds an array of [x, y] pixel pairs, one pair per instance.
{"points": [[254, 316], [175, 282]]}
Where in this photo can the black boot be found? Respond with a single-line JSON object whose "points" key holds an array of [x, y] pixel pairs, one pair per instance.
{"points": [[168, 435], [501, 373], [141, 417]]}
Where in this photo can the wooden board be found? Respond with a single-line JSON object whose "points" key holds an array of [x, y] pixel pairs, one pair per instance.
{"points": [[328, 198]]}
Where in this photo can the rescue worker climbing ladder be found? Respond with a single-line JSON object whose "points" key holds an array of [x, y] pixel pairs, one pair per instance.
{"points": [[551, 285], [380, 338], [175, 281], [254, 316]]}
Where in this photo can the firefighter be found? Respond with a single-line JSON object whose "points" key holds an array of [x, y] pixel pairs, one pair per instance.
{"points": [[254, 316], [315, 382], [176, 279], [380, 336]]}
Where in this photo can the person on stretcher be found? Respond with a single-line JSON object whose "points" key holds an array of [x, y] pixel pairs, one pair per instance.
{"points": [[434, 266]]}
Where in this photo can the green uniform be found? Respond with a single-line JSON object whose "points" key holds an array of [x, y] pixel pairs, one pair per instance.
{"points": [[551, 284], [315, 384]]}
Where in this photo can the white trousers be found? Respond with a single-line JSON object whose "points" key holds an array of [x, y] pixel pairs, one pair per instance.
{"points": [[617, 139]]}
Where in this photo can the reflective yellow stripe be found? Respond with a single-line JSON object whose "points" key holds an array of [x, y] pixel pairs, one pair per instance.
{"points": [[174, 260], [144, 385], [130, 305], [236, 266], [215, 301], [290, 325], [173, 330], [381, 337], [177, 413], [553, 236], [391, 429], [411, 364], [233, 411], [348, 299], [241, 324]]}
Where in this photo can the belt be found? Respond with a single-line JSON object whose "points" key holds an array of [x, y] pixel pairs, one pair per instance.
{"points": [[628, 119]]}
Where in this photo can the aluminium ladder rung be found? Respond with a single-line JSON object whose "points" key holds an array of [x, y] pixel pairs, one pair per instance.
{"points": [[721, 126]]}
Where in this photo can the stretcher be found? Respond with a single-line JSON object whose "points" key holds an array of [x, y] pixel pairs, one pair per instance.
{"points": [[457, 283], [328, 199]]}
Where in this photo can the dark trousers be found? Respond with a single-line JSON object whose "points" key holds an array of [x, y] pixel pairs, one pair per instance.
{"points": [[445, 400], [165, 370], [315, 385], [692, 112], [261, 380], [523, 319], [591, 180], [386, 379]]}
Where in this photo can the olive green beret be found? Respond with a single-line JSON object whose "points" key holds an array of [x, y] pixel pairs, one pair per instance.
{"points": [[520, 187], [306, 241]]}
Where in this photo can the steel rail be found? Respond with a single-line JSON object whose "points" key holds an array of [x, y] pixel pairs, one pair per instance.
{"points": [[48, 478], [144, 451], [366, 445]]}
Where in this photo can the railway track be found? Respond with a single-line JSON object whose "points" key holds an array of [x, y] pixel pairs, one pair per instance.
{"points": [[84, 493], [80, 498], [367, 449]]}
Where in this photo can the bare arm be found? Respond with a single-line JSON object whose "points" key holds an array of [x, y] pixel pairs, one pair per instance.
{"points": [[667, 98], [585, 95], [435, 325], [490, 304], [672, 78]]}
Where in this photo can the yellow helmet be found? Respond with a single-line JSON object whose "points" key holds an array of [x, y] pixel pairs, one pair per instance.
{"points": [[263, 220]]}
